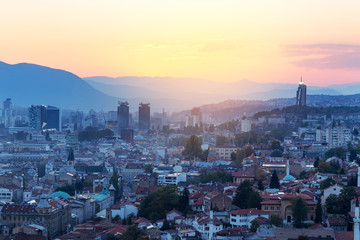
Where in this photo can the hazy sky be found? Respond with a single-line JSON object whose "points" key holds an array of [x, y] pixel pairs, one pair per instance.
{"points": [[220, 40]]}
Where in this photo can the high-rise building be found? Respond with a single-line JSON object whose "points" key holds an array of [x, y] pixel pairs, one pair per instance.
{"points": [[194, 119], [42, 117], [37, 117], [52, 118], [245, 125], [144, 116], [123, 115], [301, 94], [7, 112]]}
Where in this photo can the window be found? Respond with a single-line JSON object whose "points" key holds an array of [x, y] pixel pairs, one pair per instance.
{"points": [[272, 208], [266, 208]]}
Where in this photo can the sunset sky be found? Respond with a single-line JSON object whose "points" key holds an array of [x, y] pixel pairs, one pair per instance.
{"points": [[219, 40]]}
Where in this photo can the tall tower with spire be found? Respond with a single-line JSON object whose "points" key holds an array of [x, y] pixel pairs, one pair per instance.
{"points": [[301, 94]]}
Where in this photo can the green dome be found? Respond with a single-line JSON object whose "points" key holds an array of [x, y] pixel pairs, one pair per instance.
{"points": [[289, 178], [60, 194]]}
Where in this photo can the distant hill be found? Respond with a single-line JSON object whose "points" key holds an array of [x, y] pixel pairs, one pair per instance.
{"points": [[204, 91], [29, 84]]}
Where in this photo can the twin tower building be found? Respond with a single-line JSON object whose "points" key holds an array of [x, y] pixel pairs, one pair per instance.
{"points": [[123, 116]]}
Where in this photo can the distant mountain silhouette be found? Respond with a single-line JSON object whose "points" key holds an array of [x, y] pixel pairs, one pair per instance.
{"points": [[203, 91], [29, 84]]}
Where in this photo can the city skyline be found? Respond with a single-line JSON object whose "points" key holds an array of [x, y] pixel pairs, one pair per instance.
{"points": [[261, 41]]}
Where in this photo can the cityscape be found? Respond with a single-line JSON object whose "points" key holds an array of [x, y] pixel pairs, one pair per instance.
{"points": [[179, 120]]}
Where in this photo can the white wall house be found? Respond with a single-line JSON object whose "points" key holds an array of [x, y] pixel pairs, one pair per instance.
{"points": [[244, 217]]}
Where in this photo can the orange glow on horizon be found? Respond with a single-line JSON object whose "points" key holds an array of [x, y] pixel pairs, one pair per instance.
{"points": [[226, 41]]}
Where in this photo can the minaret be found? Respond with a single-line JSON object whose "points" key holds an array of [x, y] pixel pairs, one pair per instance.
{"points": [[287, 167], [211, 225], [356, 220], [358, 176]]}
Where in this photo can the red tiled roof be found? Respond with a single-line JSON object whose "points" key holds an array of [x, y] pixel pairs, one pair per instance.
{"points": [[250, 211], [271, 202], [243, 175], [344, 235], [18, 208], [337, 221]]}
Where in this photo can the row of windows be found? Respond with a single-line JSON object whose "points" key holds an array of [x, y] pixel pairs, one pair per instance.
{"points": [[272, 208]]}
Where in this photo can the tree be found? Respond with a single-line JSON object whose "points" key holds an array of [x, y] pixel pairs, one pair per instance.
{"points": [[299, 209], [156, 204], [41, 170], [220, 176], [192, 147], [302, 237], [324, 167], [47, 136], [149, 168], [276, 145], [346, 195], [184, 201], [316, 163], [114, 180], [241, 154], [71, 156], [274, 181], [112, 237], [133, 233], [165, 226], [260, 185], [356, 132], [336, 152], [220, 140], [353, 155], [254, 200], [327, 183], [275, 220], [233, 156], [331, 203], [254, 225], [318, 212], [242, 195], [92, 133]]}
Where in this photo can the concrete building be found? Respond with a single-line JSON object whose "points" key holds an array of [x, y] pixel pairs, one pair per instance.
{"points": [[55, 215], [281, 205], [338, 136], [144, 116], [37, 117], [224, 152], [244, 217], [245, 125], [123, 116]]}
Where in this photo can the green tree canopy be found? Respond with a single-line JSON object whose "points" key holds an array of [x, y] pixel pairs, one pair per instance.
{"points": [[327, 183], [336, 152], [274, 181], [300, 210], [246, 198], [156, 204], [254, 225], [220, 176], [275, 220], [193, 147], [318, 212]]}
